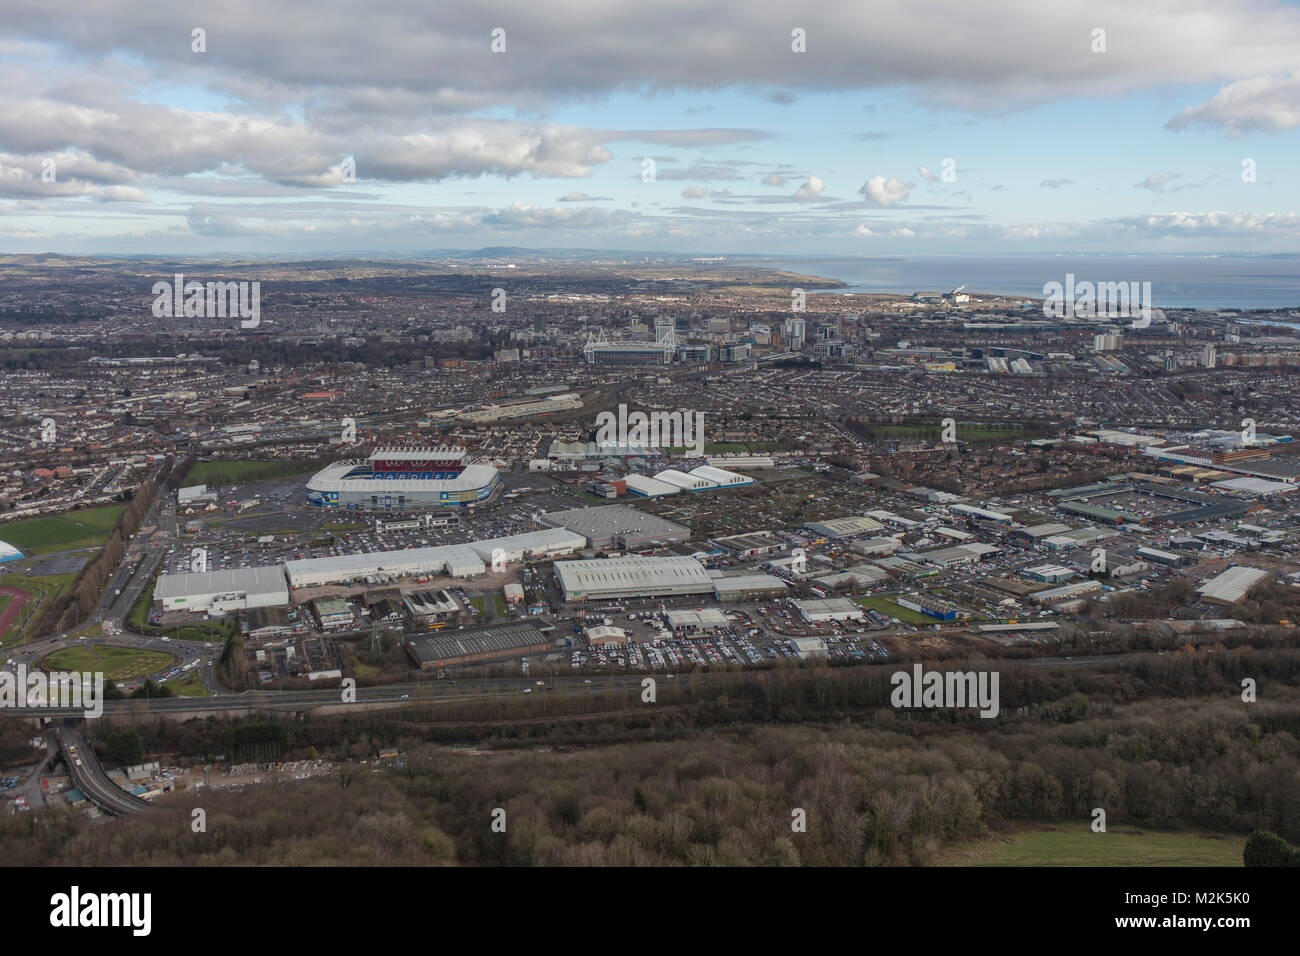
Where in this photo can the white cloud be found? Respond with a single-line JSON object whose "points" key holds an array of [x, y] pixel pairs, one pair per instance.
{"points": [[582, 197], [1156, 182], [885, 192], [390, 65], [928, 176], [811, 188], [1264, 103]]}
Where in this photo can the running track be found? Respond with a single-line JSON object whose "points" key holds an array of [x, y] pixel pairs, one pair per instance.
{"points": [[10, 614]]}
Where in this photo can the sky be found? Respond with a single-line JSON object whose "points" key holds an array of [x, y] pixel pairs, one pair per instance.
{"points": [[287, 127]]}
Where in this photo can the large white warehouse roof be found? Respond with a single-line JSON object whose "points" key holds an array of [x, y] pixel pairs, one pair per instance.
{"points": [[260, 587], [682, 480], [650, 487], [1232, 585], [629, 577], [539, 544], [721, 476], [457, 560]]}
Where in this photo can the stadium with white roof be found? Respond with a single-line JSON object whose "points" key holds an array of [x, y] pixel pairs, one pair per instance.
{"points": [[404, 479]]}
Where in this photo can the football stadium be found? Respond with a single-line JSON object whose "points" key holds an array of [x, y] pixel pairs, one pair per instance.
{"points": [[404, 479]]}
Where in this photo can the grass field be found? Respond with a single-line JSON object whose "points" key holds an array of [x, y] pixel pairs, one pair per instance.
{"points": [[239, 472], [480, 604], [66, 532], [1076, 845], [732, 447], [363, 670], [344, 526], [137, 619], [974, 434], [117, 663], [887, 607], [213, 631], [5, 600], [191, 686], [499, 600]]}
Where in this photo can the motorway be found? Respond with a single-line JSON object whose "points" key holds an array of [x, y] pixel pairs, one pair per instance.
{"points": [[89, 776], [463, 690], [408, 694]]}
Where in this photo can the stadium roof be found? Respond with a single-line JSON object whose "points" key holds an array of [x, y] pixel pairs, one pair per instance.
{"points": [[8, 552], [330, 478]]}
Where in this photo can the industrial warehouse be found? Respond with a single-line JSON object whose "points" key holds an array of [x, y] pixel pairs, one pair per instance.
{"points": [[480, 644], [455, 560], [242, 589], [219, 591], [597, 579], [617, 526], [600, 578]]}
